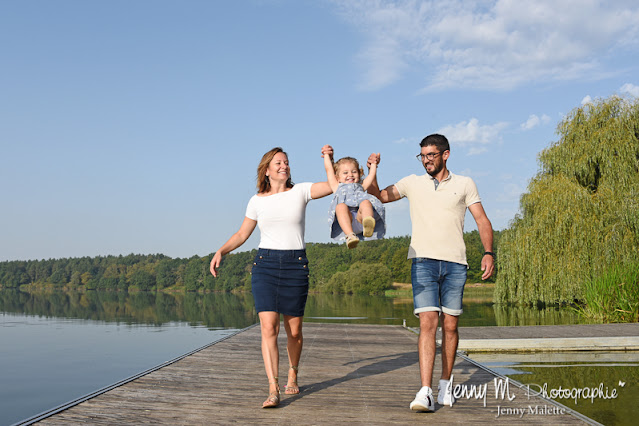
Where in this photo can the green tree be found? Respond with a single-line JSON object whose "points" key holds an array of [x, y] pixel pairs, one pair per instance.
{"points": [[142, 280], [75, 281], [360, 278], [193, 274], [165, 273], [581, 212]]}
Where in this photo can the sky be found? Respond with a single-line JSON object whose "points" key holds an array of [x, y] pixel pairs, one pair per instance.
{"points": [[137, 126]]}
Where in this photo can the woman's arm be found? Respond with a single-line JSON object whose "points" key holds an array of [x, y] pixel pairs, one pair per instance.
{"points": [[320, 189], [236, 240]]}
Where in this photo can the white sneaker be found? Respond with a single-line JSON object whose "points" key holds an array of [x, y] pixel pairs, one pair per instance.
{"points": [[423, 400], [445, 393]]}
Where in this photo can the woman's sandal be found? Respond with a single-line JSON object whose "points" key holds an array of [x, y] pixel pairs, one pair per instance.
{"points": [[293, 389], [273, 399]]}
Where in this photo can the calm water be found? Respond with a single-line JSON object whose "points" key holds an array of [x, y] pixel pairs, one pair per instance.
{"points": [[60, 346], [616, 373]]}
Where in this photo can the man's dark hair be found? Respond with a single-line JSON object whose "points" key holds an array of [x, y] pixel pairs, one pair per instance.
{"points": [[437, 140]]}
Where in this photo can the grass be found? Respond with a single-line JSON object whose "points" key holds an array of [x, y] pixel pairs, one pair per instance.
{"points": [[473, 293], [614, 296]]}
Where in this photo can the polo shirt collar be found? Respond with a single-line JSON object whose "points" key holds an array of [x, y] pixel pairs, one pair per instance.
{"points": [[450, 175], [435, 182]]}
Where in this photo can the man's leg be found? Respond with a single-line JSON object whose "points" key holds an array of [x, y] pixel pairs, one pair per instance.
{"points": [[425, 277], [426, 345], [452, 293], [450, 339]]}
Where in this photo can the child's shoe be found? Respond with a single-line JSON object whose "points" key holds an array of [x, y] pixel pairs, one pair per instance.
{"points": [[369, 226], [352, 240]]}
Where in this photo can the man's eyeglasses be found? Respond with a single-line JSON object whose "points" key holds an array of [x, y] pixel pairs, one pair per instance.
{"points": [[430, 156]]}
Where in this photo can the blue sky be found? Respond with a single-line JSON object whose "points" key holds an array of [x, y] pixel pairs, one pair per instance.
{"points": [[137, 126]]}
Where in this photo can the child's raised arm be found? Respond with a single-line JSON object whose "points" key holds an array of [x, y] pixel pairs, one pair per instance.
{"points": [[372, 175], [330, 171]]}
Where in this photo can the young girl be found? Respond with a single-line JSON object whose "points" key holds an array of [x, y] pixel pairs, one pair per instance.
{"points": [[357, 212]]}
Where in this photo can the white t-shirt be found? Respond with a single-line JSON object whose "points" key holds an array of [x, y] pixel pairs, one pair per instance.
{"points": [[281, 217]]}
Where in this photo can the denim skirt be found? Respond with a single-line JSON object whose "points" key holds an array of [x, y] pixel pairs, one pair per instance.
{"points": [[279, 281]]}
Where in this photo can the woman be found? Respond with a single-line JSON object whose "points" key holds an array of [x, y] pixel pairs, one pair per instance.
{"points": [[280, 271]]}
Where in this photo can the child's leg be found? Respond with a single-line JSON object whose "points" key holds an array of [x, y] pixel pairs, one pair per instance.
{"points": [[365, 217], [344, 218], [365, 210]]}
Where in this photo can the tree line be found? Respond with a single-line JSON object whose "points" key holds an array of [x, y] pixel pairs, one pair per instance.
{"points": [[369, 269], [576, 237]]}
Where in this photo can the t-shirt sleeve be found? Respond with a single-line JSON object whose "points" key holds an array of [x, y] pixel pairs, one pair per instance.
{"points": [[402, 186], [472, 196], [251, 209], [305, 187]]}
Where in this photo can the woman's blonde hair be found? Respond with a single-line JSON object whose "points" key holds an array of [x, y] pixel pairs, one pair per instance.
{"points": [[263, 183], [348, 160]]}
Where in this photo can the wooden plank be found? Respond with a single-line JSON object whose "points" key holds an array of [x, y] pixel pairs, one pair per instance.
{"points": [[356, 374]]}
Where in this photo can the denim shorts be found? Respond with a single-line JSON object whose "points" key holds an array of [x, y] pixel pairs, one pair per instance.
{"points": [[279, 281], [438, 286]]}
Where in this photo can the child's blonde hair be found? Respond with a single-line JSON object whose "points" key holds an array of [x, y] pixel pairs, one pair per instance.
{"points": [[348, 160]]}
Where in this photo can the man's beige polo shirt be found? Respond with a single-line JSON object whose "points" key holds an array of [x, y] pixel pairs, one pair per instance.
{"points": [[437, 215]]}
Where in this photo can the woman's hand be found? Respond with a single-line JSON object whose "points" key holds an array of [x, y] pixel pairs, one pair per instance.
{"points": [[327, 149]]}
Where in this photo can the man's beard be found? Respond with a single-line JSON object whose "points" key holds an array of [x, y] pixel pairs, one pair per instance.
{"points": [[437, 168]]}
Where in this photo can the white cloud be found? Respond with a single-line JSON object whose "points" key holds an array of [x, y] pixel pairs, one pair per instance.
{"points": [[489, 44], [474, 174], [630, 89], [473, 134], [586, 100], [510, 192], [534, 121], [476, 150], [404, 141]]}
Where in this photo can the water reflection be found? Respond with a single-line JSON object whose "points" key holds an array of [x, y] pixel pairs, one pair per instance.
{"points": [[578, 371], [213, 310], [232, 310]]}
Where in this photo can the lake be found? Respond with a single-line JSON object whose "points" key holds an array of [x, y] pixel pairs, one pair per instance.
{"points": [[614, 372], [59, 346]]}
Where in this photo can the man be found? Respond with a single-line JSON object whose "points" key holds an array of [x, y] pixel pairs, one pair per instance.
{"points": [[438, 202]]}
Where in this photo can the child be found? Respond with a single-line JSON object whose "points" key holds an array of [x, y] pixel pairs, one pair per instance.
{"points": [[356, 211]]}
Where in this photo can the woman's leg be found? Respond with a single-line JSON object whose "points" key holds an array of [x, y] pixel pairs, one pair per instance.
{"points": [[344, 218], [270, 327], [295, 341]]}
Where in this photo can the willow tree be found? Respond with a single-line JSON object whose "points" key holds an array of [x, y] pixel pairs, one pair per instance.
{"points": [[580, 214]]}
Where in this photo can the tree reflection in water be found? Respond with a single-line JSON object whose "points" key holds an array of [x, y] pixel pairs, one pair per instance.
{"points": [[236, 310]]}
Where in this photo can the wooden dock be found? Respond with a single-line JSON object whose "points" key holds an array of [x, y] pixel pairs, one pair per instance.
{"points": [[349, 374]]}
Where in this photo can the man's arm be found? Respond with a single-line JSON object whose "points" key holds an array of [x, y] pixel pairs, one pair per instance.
{"points": [[387, 195], [485, 229]]}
